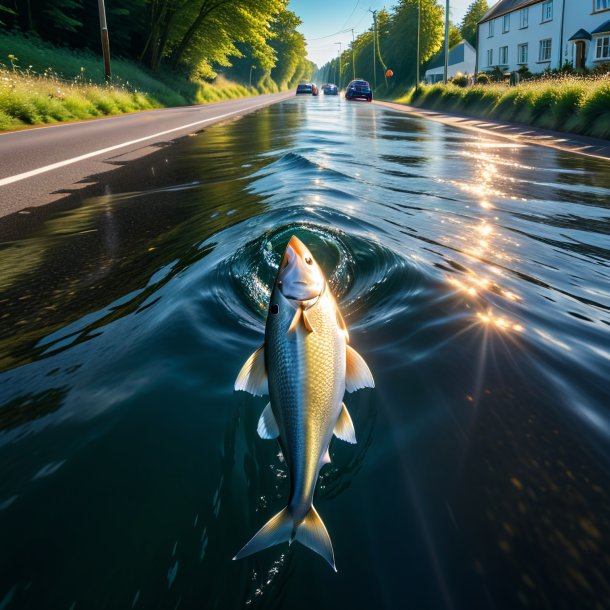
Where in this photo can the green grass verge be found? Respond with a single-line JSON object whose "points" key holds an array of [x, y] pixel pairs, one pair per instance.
{"points": [[571, 104], [40, 83]]}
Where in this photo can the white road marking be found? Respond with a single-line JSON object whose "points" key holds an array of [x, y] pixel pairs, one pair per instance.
{"points": [[95, 153]]}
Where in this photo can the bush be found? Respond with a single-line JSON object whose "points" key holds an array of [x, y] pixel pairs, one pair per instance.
{"points": [[574, 104], [460, 80], [483, 79]]}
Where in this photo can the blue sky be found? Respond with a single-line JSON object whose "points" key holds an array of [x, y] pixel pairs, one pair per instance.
{"points": [[322, 19]]}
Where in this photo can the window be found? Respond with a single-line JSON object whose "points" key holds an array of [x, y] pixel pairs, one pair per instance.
{"points": [[547, 10], [601, 5], [491, 29], [524, 14], [602, 48], [490, 57], [503, 61], [522, 54], [545, 50], [505, 23]]}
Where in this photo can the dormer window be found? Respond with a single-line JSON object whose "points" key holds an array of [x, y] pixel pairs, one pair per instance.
{"points": [[601, 5]]}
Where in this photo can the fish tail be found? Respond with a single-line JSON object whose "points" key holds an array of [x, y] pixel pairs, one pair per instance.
{"points": [[311, 532]]}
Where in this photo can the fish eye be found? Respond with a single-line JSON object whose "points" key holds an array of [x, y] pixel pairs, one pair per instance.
{"points": [[275, 309], [308, 260]]}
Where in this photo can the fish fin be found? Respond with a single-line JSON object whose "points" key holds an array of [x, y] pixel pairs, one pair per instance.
{"points": [[307, 323], [341, 324], [344, 428], [267, 426], [295, 320], [357, 373], [277, 530], [325, 458], [253, 375], [312, 533]]}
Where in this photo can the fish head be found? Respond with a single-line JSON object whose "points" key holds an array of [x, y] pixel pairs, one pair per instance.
{"points": [[300, 277]]}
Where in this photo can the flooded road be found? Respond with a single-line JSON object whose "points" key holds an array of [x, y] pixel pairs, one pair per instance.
{"points": [[474, 277]]}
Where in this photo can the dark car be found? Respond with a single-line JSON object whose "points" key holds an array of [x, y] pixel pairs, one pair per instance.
{"points": [[330, 90], [359, 90], [304, 88]]}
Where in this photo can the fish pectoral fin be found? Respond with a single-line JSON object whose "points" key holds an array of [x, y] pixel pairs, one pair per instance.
{"points": [[357, 373], [344, 428], [295, 320], [267, 426], [342, 325], [253, 375], [313, 534], [300, 314], [325, 458], [306, 322]]}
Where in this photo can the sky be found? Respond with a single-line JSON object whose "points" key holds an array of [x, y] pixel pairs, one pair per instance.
{"points": [[324, 19]]}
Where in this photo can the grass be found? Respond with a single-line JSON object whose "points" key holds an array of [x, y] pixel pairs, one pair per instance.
{"points": [[572, 104], [40, 83]]}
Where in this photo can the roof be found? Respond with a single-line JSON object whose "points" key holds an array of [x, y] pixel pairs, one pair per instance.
{"points": [[580, 35], [505, 6], [456, 56], [603, 28]]}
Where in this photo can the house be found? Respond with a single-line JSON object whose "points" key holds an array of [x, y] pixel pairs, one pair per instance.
{"points": [[544, 34], [462, 59]]}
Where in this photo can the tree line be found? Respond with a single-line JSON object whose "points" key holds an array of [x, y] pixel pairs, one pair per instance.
{"points": [[201, 37], [395, 46]]}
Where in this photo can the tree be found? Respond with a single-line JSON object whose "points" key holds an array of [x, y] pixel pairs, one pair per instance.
{"points": [[469, 24], [455, 35]]}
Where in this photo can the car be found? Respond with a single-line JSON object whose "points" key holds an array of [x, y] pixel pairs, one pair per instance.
{"points": [[304, 88], [330, 89], [359, 90]]}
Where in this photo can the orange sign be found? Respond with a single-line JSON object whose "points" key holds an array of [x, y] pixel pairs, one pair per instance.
{"points": [[389, 73]]}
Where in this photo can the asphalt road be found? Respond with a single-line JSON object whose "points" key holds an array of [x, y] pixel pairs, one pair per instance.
{"points": [[38, 166]]}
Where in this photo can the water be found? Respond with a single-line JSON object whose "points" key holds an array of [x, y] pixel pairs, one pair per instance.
{"points": [[473, 274]]}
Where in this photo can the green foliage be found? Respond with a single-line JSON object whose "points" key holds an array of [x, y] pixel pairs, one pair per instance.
{"points": [[469, 24], [396, 48], [483, 79], [573, 104]]}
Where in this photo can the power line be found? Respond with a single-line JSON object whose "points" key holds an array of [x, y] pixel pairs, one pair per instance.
{"points": [[351, 14]]}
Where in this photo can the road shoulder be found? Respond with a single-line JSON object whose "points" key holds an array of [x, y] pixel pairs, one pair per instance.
{"points": [[527, 134]]}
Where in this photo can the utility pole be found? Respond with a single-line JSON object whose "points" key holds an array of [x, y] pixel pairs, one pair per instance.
{"points": [[105, 39], [374, 48], [446, 42], [340, 75], [251, 68], [418, 37], [353, 56]]}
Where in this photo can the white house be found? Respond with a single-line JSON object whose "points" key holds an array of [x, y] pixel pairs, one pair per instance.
{"points": [[462, 58], [541, 34]]}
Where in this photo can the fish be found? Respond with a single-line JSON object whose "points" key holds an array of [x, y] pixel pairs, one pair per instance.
{"points": [[305, 365]]}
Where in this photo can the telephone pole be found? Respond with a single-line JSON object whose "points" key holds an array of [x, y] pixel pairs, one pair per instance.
{"points": [[418, 44], [374, 48], [353, 56], [339, 63], [105, 39], [446, 42]]}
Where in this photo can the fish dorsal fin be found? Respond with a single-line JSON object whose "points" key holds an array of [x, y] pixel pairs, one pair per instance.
{"points": [[344, 428], [357, 373], [300, 314], [341, 324], [267, 426], [253, 375]]}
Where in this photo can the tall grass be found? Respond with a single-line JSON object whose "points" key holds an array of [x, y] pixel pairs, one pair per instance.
{"points": [[40, 83], [574, 104]]}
